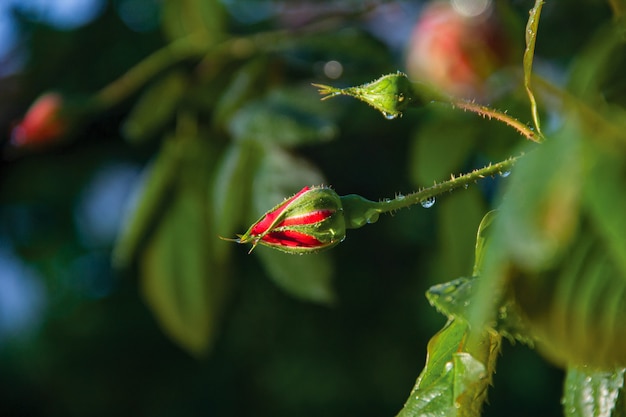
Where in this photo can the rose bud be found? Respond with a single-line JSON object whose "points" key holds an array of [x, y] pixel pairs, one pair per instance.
{"points": [[307, 222], [43, 123], [456, 48]]}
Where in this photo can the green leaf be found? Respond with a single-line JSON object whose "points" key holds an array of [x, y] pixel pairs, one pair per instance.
{"points": [[160, 179], [529, 54], [391, 94], [556, 250], [284, 117], [202, 18], [280, 175], [592, 393], [181, 279], [155, 108], [481, 241], [454, 299], [456, 376]]}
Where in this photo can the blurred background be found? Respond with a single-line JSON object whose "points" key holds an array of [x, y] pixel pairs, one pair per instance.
{"points": [[116, 295]]}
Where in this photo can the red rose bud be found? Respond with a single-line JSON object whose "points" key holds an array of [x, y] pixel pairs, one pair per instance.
{"points": [[42, 124], [456, 47], [309, 221]]}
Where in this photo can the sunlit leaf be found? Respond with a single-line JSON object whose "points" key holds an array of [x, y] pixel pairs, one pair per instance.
{"points": [[456, 375], [481, 241], [155, 108], [592, 393], [529, 54]]}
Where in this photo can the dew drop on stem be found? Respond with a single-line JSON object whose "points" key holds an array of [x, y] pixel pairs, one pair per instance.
{"points": [[428, 203]]}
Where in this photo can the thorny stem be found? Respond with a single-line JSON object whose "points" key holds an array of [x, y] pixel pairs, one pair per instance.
{"points": [[359, 211], [196, 46], [490, 113], [137, 76], [424, 195]]}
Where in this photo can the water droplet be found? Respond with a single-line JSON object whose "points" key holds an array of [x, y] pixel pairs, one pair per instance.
{"points": [[428, 203], [449, 366], [465, 186], [400, 98], [372, 216], [390, 116], [505, 174], [400, 197]]}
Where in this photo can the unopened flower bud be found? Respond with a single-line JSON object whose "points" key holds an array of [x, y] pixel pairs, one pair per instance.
{"points": [[43, 123], [307, 222], [390, 94]]}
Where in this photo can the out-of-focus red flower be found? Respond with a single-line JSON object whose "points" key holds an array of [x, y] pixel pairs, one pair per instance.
{"points": [[43, 123], [456, 52]]}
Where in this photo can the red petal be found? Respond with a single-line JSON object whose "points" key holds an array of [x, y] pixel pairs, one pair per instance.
{"points": [[309, 218], [291, 238], [266, 222]]}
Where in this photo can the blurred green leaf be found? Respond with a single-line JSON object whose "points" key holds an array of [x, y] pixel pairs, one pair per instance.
{"points": [[306, 277], [591, 83], [284, 117], [244, 83], [359, 53], [458, 218], [183, 282], [440, 146], [232, 189], [159, 181], [155, 108], [605, 201], [545, 224], [281, 175], [203, 18], [592, 393]]}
